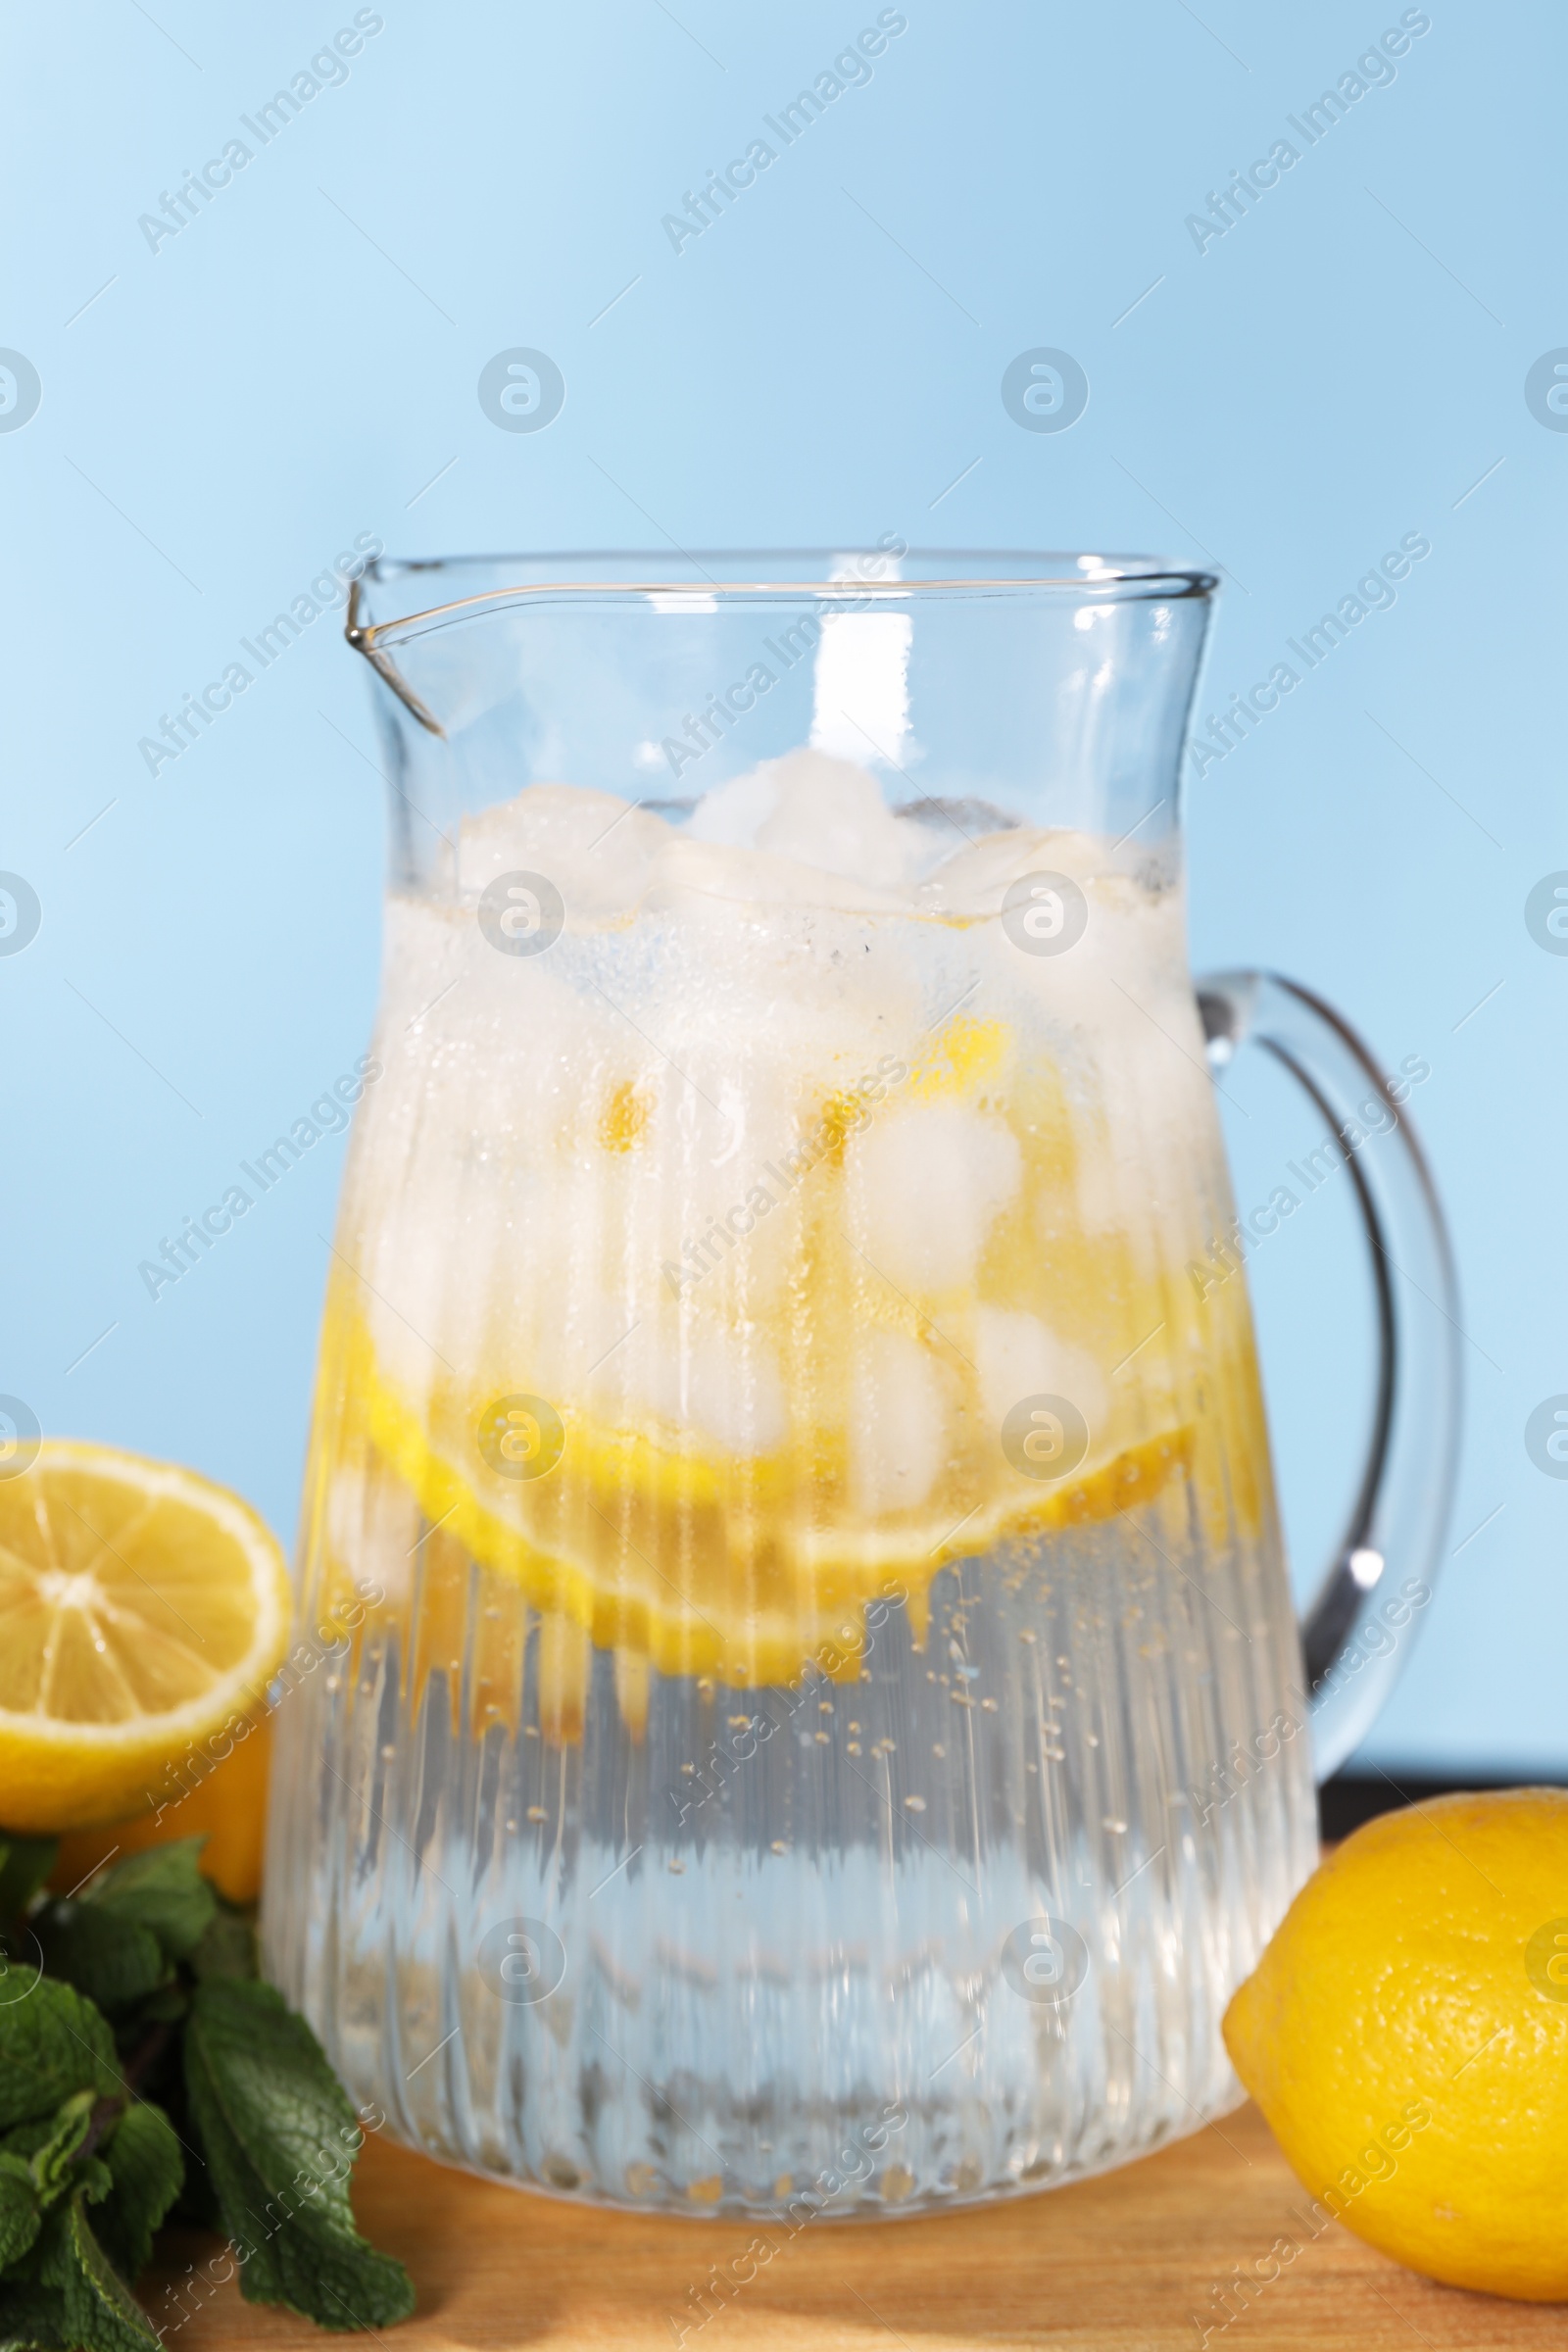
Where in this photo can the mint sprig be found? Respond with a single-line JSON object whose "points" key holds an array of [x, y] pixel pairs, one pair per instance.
{"points": [[146, 2065], [280, 2139]]}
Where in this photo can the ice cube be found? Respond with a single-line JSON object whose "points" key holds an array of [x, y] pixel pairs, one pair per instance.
{"points": [[733, 1391], [1016, 1355], [722, 1386], [734, 814], [598, 850], [973, 880], [750, 878], [898, 1417], [828, 815], [925, 1184]]}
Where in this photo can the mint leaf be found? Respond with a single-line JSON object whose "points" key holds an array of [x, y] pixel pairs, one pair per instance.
{"points": [[50, 2144], [145, 2171], [162, 1891], [112, 1961], [52, 2043], [228, 1947], [100, 2312], [19, 2209], [32, 2318], [279, 2138], [24, 1864], [165, 2007]]}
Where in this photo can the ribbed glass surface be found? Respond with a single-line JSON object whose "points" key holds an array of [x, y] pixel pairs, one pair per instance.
{"points": [[821, 1713]]}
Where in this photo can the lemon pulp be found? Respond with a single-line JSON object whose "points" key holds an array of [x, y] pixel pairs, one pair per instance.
{"points": [[142, 1610]]}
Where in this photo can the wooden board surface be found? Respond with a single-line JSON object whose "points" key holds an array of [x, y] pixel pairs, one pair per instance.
{"points": [[1130, 2261]]}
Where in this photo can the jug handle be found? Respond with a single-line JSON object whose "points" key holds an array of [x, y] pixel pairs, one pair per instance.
{"points": [[1358, 1625]]}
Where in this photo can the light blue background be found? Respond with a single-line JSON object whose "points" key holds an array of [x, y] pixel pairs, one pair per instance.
{"points": [[1344, 367]]}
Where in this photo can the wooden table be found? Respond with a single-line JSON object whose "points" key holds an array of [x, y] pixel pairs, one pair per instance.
{"points": [[1130, 2261]]}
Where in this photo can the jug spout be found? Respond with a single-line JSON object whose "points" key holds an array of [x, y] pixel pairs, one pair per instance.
{"points": [[975, 690]]}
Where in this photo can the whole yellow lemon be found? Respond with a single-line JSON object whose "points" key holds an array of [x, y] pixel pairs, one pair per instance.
{"points": [[1407, 2035]]}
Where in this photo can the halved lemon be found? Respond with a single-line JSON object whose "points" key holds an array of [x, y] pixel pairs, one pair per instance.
{"points": [[142, 1613]]}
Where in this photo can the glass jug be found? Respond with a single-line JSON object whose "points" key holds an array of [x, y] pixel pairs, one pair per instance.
{"points": [[800, 1706]]}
